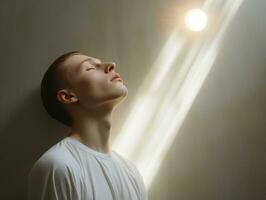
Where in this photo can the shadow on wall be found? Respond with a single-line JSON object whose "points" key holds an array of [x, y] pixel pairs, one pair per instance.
{"points": [[28, 133]]}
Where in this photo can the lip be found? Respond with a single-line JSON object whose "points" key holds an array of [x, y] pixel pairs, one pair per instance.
{"points": [[116, 77]]}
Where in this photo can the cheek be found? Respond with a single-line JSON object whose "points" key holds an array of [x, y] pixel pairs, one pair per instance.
{"points": [[92, 86]]}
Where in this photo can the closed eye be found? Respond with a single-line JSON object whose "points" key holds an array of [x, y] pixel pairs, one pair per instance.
{"points": [[89, 69]]}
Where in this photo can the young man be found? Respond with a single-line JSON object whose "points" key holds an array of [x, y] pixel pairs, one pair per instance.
{"points": [[81, 92]]}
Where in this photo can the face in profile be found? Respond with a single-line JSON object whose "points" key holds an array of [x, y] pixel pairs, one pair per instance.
{"points": [[90, 82]]}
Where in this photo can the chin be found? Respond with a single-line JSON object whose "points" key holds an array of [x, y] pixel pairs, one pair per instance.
{"points": [[125, 91], [119, 97], [122, 94]]}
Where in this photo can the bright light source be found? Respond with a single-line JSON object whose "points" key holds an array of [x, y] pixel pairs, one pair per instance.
{"points": [[196, 20]]}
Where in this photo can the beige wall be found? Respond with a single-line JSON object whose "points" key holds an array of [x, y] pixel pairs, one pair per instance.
{"points": [[218, 153]]}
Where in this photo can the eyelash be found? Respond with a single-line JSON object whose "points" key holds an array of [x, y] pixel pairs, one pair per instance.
{"points": [[89, 69]]}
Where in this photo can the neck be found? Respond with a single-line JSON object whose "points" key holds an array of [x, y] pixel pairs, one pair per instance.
{"points": [[93, 129]]}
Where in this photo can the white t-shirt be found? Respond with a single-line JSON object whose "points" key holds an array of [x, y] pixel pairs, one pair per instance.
{"points": [[70, 170]]}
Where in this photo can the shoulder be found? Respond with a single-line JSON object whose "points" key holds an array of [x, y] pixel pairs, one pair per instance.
{"points": [[53, 160], [54, 176], [125, 161], [129, 164]]}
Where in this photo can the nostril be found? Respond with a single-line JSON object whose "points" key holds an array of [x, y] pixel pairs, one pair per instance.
{"points": [[111, 66]]}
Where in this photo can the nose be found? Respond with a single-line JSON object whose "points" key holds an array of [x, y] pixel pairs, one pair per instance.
{"points": [[110, 66]]}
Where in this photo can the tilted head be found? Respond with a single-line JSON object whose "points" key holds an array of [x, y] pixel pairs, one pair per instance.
{"points": [[77, 81]]}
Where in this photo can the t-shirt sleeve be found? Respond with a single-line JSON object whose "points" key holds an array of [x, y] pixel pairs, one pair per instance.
{"points": [[50, 179]]}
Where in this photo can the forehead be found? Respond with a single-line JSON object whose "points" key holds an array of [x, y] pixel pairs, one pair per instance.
{"points": [[73, 63], [76, 60]]}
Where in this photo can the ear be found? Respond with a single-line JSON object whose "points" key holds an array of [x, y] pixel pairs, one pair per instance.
{"points": [[66, 97]]}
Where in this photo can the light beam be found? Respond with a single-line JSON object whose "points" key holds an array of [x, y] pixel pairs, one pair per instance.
{"points": [[166, 95]]}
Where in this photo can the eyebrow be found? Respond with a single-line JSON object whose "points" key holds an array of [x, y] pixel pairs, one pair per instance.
{"points": [[88, 59]]}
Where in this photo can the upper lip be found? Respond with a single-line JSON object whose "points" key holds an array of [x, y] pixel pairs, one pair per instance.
{"points": [[115, 76]]}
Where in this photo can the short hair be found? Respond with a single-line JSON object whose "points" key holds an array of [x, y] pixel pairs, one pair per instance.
{"points": [[51, 83]]}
